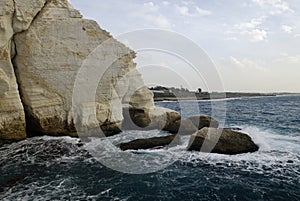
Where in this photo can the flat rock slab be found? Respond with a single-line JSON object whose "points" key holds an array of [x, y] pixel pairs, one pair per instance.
{"points": [[149, 143]]}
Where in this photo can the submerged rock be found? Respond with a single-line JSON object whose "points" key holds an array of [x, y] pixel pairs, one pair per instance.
{"points": [[149, 143], [222, 141]]}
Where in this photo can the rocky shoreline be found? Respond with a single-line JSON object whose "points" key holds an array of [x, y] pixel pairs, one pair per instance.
{"points": [[49, 57]]}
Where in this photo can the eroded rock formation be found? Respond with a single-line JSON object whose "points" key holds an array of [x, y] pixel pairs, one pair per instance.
{"points": [[12, 117], [44, 44]]}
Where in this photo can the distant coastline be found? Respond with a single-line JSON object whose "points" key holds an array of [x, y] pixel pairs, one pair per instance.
{"points": [[174, 94]]}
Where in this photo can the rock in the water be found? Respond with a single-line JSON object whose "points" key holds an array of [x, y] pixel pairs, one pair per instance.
{"points": [[222, 141], [165, 118], [149, 143], [153, 118], [187, 127], [202, 121], [12, 117], [135, 118]]}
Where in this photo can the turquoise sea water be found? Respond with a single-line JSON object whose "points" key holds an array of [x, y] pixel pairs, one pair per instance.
{"points": [[48, 168]]}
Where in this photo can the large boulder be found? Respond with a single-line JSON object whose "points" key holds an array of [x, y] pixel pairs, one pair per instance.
{"points": [[12, 117], [201, 121], [222, 141], [149, 143], [152, 118]]}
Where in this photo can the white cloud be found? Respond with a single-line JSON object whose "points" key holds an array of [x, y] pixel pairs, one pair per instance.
{"points": [[166, 3], [253, 23], [257, 34], [246, 64], [274, 6], [187, 3], [231, 38], [158, 20], [236, 62], [291, 59], [151, 6], [150, 12], [287, 29], [203, 12], [251, 29], [244, 74], [184, 10], [297, 35]]}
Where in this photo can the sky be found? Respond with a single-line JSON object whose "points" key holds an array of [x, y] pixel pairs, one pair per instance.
{"points": [[253, 44]]}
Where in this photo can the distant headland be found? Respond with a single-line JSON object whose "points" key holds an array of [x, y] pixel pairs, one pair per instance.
{"points": [[162, 93]]}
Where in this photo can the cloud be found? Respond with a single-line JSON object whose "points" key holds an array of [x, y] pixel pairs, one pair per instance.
{"points": [[287, 29], [166, 3], [150, 12], [253, 23], [243, 74], [183, 10], [198, 12], [203, 12], [245, 64], [151, 6], [297, 35], [291, 59], [274, 6], [251, 29], [231, 38], [158, 20], [236, 62], [257, 34]]}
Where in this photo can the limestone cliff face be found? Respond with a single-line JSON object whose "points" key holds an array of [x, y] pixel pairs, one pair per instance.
{"points": [[12, 118], [50, 43]]}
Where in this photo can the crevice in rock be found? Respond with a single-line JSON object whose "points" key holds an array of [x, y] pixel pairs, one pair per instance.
{"points": [[31, 124], [33, 127]]}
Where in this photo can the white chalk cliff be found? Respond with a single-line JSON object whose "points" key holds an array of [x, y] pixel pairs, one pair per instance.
{"points": [[44, 44], [12, 117]]}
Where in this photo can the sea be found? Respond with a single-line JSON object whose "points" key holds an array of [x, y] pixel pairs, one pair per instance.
{"points": [[48, 168]]}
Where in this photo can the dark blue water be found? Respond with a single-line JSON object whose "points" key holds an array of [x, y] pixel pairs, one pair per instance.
{"points": [[59, 169]]}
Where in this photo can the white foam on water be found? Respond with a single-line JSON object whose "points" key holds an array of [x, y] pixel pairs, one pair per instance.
{"points": [[278, 155], [268, 140], [105, 150], [276, 151], [67, 139]]}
